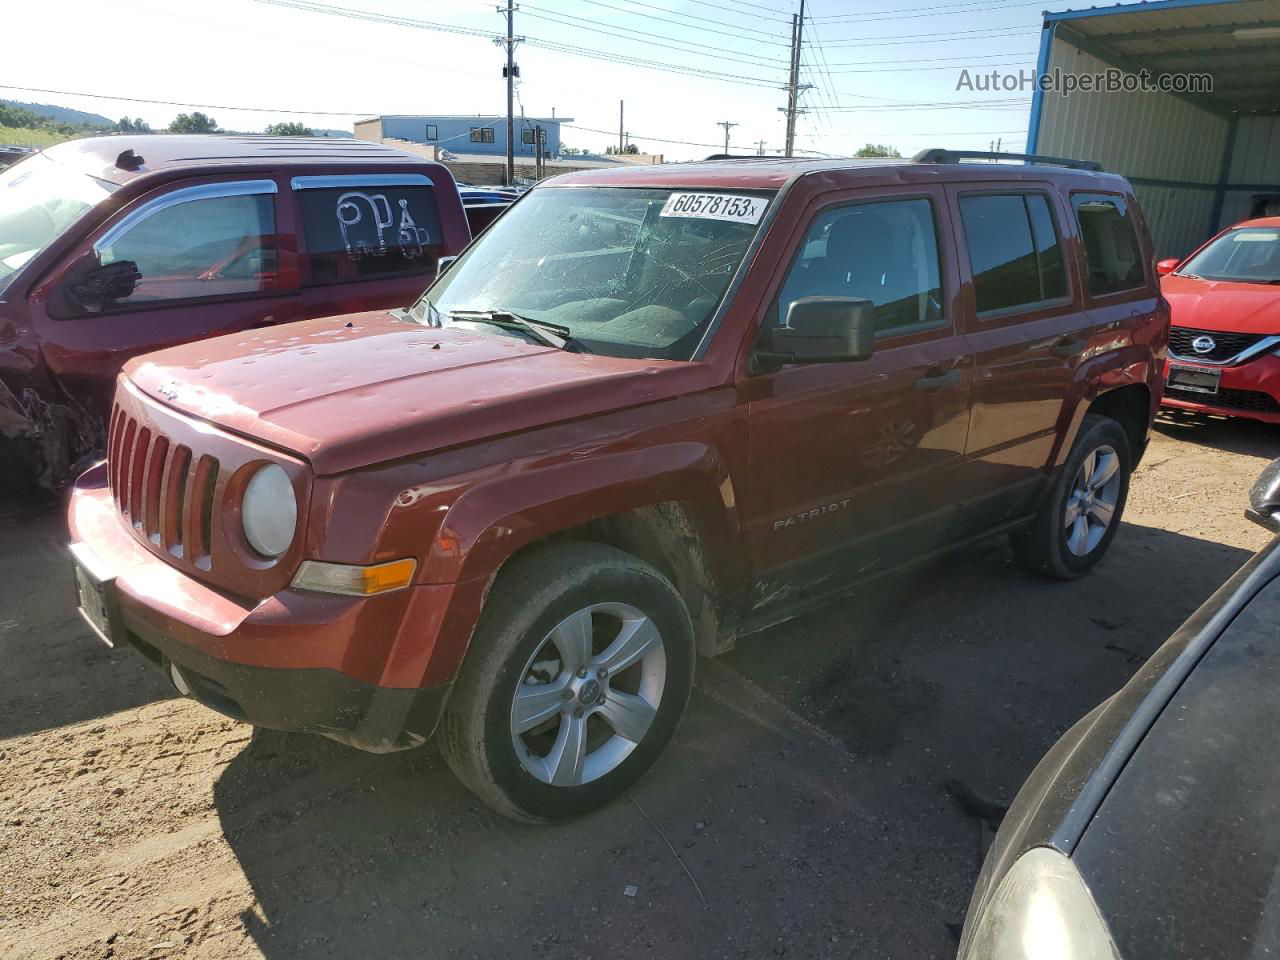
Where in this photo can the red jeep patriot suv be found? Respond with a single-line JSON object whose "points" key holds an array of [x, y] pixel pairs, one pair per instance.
{"points": [[647, 412]]}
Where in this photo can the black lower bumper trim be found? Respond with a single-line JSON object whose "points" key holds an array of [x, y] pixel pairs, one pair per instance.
{"points": [[303, 700]]}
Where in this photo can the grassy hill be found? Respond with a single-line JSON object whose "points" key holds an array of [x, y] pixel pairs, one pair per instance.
{"points": [[77, 118], [27, 137]]}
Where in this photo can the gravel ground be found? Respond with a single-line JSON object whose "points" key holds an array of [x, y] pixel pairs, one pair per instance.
{"points": [[799, 812]]}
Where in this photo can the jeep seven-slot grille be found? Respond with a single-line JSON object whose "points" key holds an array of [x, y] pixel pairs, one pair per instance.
{"points": [[1225, 345], [160, 488]]}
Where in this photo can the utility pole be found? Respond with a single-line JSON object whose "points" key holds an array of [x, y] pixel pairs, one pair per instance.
{"points": [[728, 125], [510, 73], [621, 132], [794, 87]]}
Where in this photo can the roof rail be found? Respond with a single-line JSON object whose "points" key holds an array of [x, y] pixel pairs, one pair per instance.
{"points": [[938, 155]]}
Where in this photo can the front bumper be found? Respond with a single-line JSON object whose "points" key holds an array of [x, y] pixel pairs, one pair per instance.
{"points": [[1250, 390], [356, 669]]}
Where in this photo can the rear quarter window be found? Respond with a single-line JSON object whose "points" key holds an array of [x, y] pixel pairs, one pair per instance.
{"points": [[365, 232], [1113, 257]]}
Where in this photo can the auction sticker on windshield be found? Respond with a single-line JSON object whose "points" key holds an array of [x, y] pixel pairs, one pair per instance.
{"points": [[715, 206]]}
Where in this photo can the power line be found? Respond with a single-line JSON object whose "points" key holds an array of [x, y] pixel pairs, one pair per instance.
{"points": [[979, 33], [922, 11], [566, 20], [773, 37], [914, 64], [650, 64], [177, 103], [745, 3], [308, 6], [332, 113]]}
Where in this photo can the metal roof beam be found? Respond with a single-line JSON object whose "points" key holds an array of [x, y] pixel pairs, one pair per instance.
{"points": [[1217, 28], [1109, 56], [1125, 9], [1232, 54]]}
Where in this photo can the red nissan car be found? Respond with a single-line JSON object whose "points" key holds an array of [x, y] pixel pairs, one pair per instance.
{"points": [[1224, 345]]}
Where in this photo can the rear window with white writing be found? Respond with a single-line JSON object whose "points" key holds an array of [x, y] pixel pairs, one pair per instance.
{"points": [[356, 233]]}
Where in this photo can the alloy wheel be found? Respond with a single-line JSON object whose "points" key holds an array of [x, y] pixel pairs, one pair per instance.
{"points": [[589, 694], [1091, 505]]}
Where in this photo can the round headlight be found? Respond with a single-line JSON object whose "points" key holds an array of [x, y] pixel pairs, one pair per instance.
{"points": [[269, 512]]}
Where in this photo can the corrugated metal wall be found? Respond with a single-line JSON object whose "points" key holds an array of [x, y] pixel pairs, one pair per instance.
{"points": [[1255, 162], [1138, 134], [1178, 217], [1141, 135]]}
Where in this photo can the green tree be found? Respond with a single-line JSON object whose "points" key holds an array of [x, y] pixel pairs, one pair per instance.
{"points": [[877, 150], [288, 130], [193, 123], [135, 125]]}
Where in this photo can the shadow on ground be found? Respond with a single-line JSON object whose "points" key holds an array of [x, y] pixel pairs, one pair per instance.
{"points": [[799, 811], [55, 670], [1251, 438]]}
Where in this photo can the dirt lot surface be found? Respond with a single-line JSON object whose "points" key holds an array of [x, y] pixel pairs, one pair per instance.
{"points": [[800, 811]]}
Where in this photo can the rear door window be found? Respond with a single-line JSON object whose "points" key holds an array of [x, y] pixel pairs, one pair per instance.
{"points": [[1014, 250], [365, 228], [1111, 250]]}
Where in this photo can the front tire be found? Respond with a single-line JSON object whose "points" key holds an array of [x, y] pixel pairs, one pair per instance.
{"points": [[1079, 519], [578, 674]]}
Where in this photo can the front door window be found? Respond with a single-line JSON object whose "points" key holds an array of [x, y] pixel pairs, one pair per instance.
{"points": [[190, 246]]}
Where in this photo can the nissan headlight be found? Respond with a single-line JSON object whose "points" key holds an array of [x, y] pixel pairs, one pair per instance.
{"points": [[269, 511], [1042, 910]]}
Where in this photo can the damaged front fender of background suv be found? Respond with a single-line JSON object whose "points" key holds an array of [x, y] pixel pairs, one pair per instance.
{"points": [[44, 431], [647, 412]]}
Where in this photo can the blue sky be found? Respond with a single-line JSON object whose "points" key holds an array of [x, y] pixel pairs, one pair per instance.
{"points": [[881, 73]]}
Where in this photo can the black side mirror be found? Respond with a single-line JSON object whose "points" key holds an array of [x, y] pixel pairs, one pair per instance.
{"points": [[89, 288], [823, 330], [1264, 498]]}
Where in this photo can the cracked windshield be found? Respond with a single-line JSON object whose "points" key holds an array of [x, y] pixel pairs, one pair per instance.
{"points": [[626, 272]]}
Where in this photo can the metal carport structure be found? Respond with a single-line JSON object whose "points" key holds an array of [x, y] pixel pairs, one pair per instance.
{"points": [[1198, 160]]}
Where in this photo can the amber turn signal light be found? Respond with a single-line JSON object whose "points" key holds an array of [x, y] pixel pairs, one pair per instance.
{"points": [[354, 580]]}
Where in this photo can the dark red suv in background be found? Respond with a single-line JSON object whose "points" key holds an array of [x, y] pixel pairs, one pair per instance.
{"points": [[648, 411], [112, 247]]}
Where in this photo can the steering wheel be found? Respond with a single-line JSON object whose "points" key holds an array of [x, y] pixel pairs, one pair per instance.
{"points": [[242, 249]]}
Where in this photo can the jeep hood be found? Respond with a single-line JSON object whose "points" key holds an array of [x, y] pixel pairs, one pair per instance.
{"points": [[1222, 305], [349, 391]]}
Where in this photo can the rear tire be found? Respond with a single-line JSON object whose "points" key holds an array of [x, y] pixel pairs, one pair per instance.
{"points": [[578, 673], [1079, 518]]}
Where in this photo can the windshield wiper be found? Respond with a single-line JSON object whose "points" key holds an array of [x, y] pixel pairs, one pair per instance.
{"points": [[550, 334]]}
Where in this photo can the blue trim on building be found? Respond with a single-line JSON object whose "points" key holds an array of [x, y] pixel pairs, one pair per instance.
{"points": [[1123, 8], [1037, 98]]}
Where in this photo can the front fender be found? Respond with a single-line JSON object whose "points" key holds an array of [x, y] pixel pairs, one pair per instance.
{"points": [[492, 520]]}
